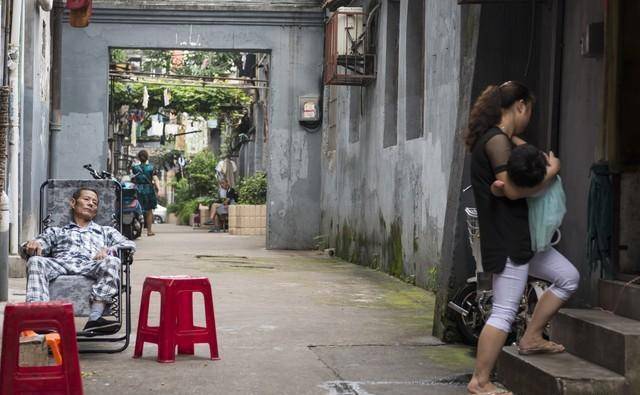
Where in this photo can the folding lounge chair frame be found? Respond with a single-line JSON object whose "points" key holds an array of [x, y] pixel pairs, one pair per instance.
{"points": [[55, 211]]}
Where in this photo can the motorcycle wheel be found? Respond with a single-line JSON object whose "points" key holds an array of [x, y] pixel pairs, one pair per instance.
{"points": [[136, 228], [471, 325], [127, 231]]}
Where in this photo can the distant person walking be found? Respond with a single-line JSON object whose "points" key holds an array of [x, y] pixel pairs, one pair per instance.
{"points": [[146, 179], [498, 116]]}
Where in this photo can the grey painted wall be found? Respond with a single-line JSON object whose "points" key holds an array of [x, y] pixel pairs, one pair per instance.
{"points": [[292, 37], [385, 207], [34, 153]]}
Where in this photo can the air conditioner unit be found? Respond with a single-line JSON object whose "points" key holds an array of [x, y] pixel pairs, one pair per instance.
{"points": [[346, 61], [350, 28]]}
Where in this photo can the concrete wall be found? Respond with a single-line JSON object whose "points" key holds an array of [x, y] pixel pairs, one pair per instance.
{"points": [[34, 145], [385, 207], [581, 123], [290, 34]]}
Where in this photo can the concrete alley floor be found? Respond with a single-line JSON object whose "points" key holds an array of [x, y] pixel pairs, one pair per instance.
{"points": [[288, 323]]}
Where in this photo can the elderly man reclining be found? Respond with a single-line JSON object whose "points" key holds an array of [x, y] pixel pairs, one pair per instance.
{"points": [[80, 248]]}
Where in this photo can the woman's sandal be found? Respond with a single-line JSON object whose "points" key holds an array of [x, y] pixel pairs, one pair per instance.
{"points": [[548, 347], [151, 234], [497, 391]]}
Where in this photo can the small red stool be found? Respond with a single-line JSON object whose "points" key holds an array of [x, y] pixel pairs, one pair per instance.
{"points": [[59, 379], [176, 317]]}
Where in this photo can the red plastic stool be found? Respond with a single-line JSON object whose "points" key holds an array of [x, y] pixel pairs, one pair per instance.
{"points": [[176, 317], [59, 379]]}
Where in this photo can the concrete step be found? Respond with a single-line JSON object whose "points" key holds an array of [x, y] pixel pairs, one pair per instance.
{"points": [[557, 374], [602, 338], [624, 299]]}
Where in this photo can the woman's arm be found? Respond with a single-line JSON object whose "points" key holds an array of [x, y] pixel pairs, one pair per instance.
{"points": [[505, 187], [156, 183], [517, 140]]}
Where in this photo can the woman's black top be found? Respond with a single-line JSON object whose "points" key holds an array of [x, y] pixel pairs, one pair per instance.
{"points": [[504, 223]]}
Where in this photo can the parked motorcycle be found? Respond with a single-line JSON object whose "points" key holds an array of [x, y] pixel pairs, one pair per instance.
{"points": [[473, 302], [132, 214]]}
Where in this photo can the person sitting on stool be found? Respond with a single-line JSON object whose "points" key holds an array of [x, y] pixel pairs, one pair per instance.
{"points": [[226, 196]]}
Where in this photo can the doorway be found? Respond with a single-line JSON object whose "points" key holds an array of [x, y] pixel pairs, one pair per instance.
{"points": [[202, 117], [622, 141]]}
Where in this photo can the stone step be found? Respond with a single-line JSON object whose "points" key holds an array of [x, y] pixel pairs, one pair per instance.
{"points": [[624, 299], [557, 374], [602, 338]]}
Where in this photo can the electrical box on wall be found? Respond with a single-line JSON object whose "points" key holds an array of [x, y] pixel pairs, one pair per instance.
{"points": [[309, 108]]}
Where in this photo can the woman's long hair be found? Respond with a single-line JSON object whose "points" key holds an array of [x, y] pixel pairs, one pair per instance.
{"points": [[487, 110]]}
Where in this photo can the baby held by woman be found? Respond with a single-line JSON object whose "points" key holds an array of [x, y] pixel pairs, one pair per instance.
{"points": [[527, 167]]}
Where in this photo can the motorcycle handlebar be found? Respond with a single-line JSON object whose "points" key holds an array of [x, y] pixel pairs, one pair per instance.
{"points": [[103, 175]]}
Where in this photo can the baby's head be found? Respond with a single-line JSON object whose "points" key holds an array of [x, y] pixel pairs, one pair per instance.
{"points": [[527, 166]]}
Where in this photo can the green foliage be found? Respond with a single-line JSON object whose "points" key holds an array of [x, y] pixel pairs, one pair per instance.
{"points": [[184, 210], [199, 186], [195, 63], [322, 242], [432, 279], [205, 102], [253, 190], [163, 158], [208, 64], [153, 59], [119, 56], [201, 174]]}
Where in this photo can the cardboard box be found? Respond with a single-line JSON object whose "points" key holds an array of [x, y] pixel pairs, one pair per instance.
{"points": [[33, 351]]}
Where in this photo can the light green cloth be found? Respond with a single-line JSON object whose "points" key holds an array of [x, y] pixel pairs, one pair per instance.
{"points": [[545, 215]]}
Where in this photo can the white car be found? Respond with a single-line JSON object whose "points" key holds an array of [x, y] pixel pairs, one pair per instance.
{"points": [[159, 214]]}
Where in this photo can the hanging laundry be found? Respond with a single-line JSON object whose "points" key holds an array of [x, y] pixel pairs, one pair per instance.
{"points": [[133, 135], [156, 126], [248, 68], [226, 169], [145, 97], [166, 94], [172, 129]]}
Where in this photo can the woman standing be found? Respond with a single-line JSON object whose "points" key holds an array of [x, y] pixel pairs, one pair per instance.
{"points": [[147, 185], [498, 116]]}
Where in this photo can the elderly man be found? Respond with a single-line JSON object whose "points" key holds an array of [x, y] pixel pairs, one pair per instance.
{"points": [[80, 248]]}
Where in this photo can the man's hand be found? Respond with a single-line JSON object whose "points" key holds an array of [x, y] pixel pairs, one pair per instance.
{"points": [[497, 188], [101, 254], [33, 248]]}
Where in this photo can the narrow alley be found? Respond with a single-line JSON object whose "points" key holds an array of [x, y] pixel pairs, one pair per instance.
{"points": [[385, 197], [288, 323]]}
